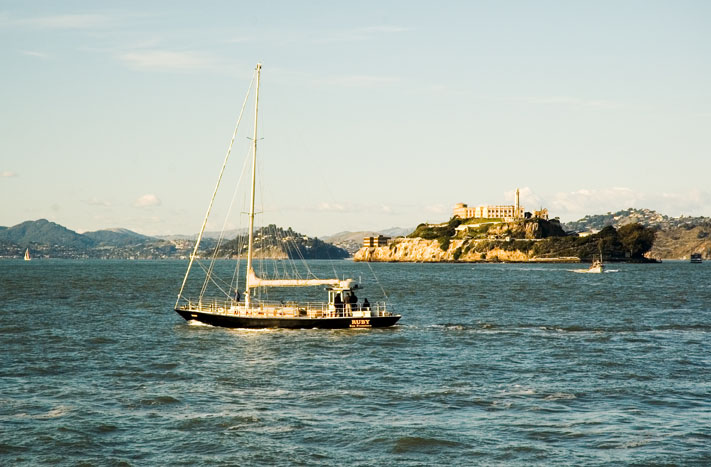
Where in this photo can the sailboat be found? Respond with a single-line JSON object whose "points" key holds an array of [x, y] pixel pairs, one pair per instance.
{"points": [[597, 266], [340, 310], [27, 254]]}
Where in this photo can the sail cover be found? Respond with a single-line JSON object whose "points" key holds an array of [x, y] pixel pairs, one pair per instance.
{"points": [[254, 281]]}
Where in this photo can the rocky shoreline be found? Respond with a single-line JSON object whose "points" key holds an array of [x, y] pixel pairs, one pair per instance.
{"points": [[524, 241], [418, 250]]}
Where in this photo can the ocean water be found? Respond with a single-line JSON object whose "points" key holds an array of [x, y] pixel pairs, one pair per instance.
{"points": [[493, 364]]}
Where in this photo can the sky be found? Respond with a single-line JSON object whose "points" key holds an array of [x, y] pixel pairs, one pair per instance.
{"points": [[372, 114]]}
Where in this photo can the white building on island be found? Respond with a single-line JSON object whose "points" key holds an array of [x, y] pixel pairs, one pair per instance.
{"points": [[515, 211], [506, 212]]}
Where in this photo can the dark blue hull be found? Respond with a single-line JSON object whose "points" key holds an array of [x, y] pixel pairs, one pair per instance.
{"points": [[233, 321]]}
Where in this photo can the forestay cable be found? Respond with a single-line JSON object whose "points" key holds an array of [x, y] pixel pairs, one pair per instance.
{"points": [[217, 186]]}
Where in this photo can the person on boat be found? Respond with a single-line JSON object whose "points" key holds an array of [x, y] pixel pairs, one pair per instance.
{"points": [[353, 301], [237, 295], [338, 303], [366, 304]]}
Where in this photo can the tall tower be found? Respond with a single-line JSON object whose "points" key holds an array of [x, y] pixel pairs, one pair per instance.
{"points": [[516, 213]]}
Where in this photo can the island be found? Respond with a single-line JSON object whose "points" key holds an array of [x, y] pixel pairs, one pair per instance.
{"points": [[529, 239]]}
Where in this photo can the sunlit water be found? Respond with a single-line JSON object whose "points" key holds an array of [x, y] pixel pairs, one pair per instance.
{"points": [[490, 364]]}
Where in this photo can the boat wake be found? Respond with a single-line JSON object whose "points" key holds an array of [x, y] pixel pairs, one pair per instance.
{"points": [[587, 271], [194, 322]]}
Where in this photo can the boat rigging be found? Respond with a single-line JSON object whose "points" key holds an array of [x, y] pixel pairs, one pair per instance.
{"points": [[341, 310]]}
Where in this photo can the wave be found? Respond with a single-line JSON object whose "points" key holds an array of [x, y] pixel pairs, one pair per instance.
{"points": [[159, 400], [422, 444], [56, 412], [517, 327], [518, 390], [560, 396], [210, 423]]}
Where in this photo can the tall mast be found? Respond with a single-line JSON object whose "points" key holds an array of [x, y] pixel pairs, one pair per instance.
{"points": [[251, 207], [193, 255]]}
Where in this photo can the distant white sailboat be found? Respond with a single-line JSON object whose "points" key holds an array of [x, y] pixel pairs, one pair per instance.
{"points": [[27, 254], [597, 266]]}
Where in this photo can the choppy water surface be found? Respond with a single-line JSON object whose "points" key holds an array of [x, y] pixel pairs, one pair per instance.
{"points": [[491, 364]]}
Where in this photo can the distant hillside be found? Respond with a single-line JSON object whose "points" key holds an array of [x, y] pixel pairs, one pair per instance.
{"points": [[44, 232], [349, 241], [676, 237], [353, 241], [646, 217], [274, 242], [46, 239], [396, 231], [681, 242], [210, 234], [117, 237]]}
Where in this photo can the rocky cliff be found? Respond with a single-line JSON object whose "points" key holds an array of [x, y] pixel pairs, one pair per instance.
{"points": [[466, 241], [522, 241], [422, 250]]}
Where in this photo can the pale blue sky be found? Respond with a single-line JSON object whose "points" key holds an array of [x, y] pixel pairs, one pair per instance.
{"points": [[374, 114]]}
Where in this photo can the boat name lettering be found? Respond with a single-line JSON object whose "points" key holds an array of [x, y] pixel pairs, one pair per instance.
{"points": [[360, 323]]}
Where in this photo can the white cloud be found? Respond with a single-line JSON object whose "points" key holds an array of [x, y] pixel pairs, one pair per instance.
{"points": [[351, 208], [573, 102], [360, 34], [147, 200], [97, 202], [164, 60], [69, 21], [362, 81], [8, 174], [34, 53], [438, 209], [357, 34], [241, 40], [383, 29], [528, 199], [331, 207], [576, 204]]}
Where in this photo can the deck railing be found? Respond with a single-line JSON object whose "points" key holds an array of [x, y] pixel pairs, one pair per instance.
{"points": [[280, 309]]}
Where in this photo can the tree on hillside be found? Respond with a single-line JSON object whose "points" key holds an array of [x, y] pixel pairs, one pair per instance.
{"points": [[636, 239]]}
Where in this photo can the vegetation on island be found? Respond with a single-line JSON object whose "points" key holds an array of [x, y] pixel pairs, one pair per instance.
{"points": [[275, 242], [676, 237], [487, 229], [442, 232], [521, 240], [629, 242]]}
